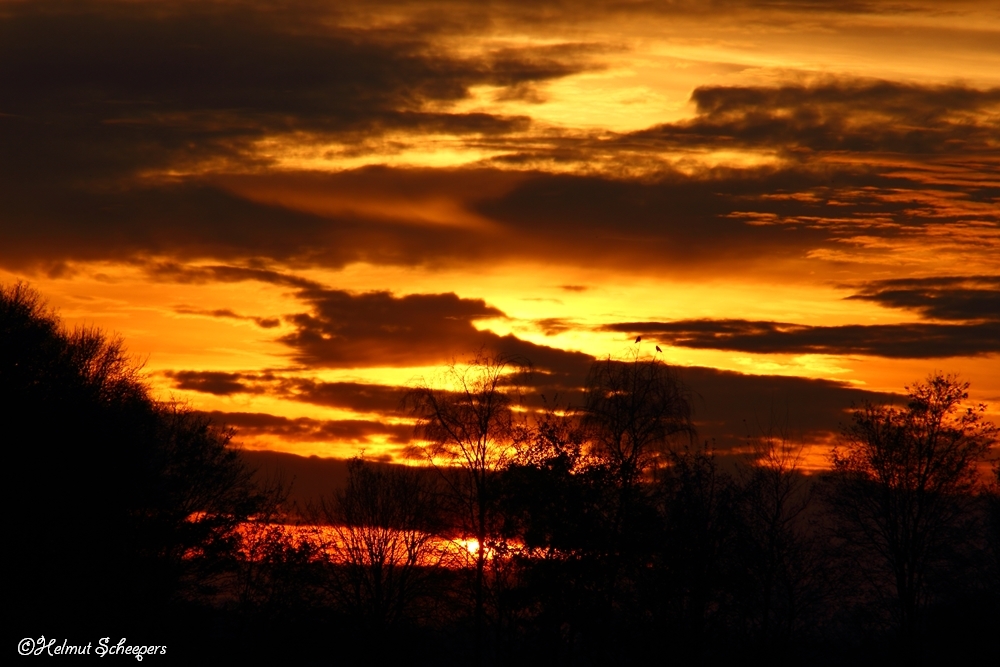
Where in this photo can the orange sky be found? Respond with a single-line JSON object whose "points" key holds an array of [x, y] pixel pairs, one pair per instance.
{"points": [[291, 212]]}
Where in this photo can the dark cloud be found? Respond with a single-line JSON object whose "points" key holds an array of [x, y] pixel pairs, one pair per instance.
{"points": [[974, 301], [309, 480], [844, 116], [730, 408], [466, 16], [898, 341], [551, 326], [192, 220], [312, 479], [345, 329], [387, 400], [723, 219], [304, 429], [98, 88], [129, 132], [942, 298], [729, 220], [357, 396], [199, 275], [212, 382], [99, 96], [380, 329], [384, 400], [182, 220], [263, 322]]}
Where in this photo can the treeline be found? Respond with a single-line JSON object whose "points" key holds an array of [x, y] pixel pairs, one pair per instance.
{"points": [[125, 512], [613, 535], [580, 535]]}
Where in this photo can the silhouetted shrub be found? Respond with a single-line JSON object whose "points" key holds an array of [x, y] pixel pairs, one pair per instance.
{"points": [[127, 507]]}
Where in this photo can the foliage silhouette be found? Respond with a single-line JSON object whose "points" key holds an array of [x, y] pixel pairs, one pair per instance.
{"points": [[698, 503], [992, 498], [902, 499], [606, 534], [580, 499], [129, 507], [632, 410], [552, 502]]}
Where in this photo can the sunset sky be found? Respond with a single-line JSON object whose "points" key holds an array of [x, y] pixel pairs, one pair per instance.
{"points": [[291, 210]]}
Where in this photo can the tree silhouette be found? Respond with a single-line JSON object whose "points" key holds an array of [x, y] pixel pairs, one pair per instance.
{"points": [[580, 499], [276, 573], [471, 427], [382, 535], [128, 506], [903, 491], [631, 411], [552, 503], [992, 510], [698, 508], [776, 584], [596, 533]]}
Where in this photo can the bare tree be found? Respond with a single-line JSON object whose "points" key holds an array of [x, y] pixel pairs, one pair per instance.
{"points": [[381, 533], [904, 488], [776, 571], [473, 430], [633, 408]]}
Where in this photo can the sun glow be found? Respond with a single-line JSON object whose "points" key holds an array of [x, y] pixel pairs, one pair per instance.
{"points": [[345, 544], [470, 545], [311, 153]]}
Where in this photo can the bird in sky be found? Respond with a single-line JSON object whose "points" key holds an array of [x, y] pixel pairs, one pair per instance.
{"points": [[658, 349], [638, 338]]}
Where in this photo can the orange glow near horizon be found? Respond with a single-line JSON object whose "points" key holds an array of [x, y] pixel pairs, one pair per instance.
{"points": [[341, 544], [165, 339], [785, 199]]}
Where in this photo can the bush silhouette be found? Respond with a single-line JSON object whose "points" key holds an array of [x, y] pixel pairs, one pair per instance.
{"points": [[127, 506]]}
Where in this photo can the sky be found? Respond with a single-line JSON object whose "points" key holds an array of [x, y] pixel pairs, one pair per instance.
{"points": [[293, 211]]}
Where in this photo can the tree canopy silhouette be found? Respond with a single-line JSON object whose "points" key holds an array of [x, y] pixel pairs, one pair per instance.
{"points": [[903, 493], [127, 505], [633, 407]]}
